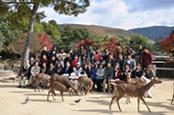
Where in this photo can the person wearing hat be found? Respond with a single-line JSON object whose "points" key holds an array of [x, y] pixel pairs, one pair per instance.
{"points": [[77, 69], [75, 74], [145, 58]]}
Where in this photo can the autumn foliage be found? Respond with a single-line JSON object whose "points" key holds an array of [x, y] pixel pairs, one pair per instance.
{"points": [[105, 44], [167, 45], [85, 43], [37, 42]]}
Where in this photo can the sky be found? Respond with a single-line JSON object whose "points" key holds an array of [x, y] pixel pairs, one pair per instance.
{"points": [[124, 14]]}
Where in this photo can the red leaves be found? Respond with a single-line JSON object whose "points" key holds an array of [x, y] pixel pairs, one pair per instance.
{"points": [[106, 44], [85, 43], [44, 40], [109, 44], [167, 44]]}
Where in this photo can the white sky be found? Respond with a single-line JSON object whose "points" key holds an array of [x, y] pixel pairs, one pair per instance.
{"points": [[125, 14]]}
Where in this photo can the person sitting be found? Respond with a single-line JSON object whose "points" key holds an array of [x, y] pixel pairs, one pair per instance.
{"points": [[32, 61], [126, 69], [99, 77], [117, 73], [51, 69], [93, 71], [59, 69], [137, 72], [131, 62], [147, 75], [74, 61], [34, 71], [86, 69], [67, 70], [76, 73], [107, 77], [25, 74], [44, 68]]}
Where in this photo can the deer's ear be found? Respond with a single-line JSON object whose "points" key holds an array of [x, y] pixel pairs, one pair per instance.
{"points": [[152, 77], [136, 77]]}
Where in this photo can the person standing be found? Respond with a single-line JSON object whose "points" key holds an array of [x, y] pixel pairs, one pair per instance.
{"points": [[107, 77], [145, 58]]}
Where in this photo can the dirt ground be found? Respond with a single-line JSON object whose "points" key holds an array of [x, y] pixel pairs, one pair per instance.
{"points": [[12, 99]]}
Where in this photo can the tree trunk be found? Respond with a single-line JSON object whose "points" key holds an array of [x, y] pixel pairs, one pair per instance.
{"points": [[25, 55]]}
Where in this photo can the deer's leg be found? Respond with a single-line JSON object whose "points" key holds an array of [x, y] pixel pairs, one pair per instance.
{"points": [[62, 96], [127, 99], [138, 101], [112, 101], [52, 92], [145, 103], [48, 95], [117, 99], [80, 89]]}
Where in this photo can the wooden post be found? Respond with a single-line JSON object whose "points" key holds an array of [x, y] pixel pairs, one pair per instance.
{"points": [[173, 94], [154, 69]]}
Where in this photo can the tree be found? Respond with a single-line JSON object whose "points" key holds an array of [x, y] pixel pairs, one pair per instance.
{"points": [[137, 40], [2, 40], [25, 7], [167, 45], [16, 47]]}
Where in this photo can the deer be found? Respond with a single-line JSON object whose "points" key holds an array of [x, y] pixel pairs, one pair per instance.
{"points": [[138, 81], [65, 81], [44, 78], [134, 91], [54, 85], [84, 80]]}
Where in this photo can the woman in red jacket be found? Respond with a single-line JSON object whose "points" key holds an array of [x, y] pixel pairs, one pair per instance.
{"points": [[74, 61], [117, 73]]}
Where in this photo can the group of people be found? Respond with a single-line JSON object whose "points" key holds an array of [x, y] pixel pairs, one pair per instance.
{"points": [[103, 67]]}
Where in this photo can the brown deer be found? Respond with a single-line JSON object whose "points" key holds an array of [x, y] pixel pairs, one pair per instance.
{"points": [[65, 81], [54, 85], [134, 91], [137, 81], [44, 78], [87, 82]]}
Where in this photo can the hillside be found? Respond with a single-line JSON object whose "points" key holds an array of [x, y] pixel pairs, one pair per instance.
{"points": [[154, 32], [102, 30]]}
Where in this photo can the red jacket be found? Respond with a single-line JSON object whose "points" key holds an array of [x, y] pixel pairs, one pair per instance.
{"points": [[73, 63], [118, 74], [146, 59]]}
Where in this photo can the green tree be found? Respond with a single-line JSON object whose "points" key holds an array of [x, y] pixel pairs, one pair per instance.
{"points": [[30, 7], [137, 40]]}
